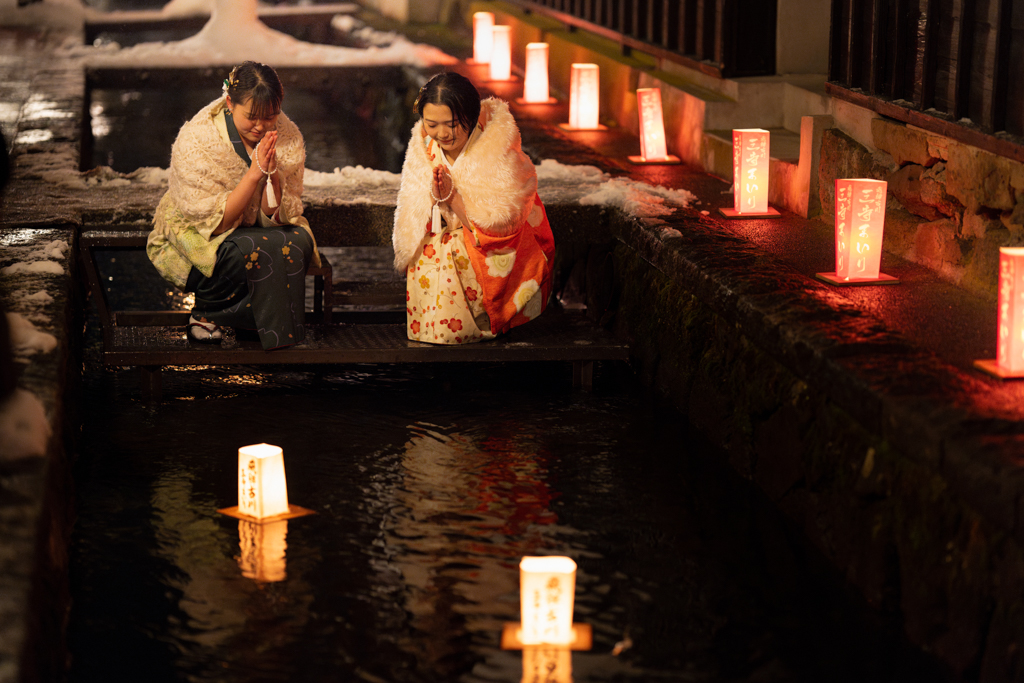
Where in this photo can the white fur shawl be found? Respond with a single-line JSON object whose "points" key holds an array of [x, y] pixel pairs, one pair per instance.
{"points": [[496, 180]]}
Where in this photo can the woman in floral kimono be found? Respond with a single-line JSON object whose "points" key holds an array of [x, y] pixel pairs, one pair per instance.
{"points": [[230, 227], [470, 230]]}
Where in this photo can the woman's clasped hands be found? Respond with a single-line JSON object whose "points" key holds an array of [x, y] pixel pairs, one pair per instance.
{"points": [[442, 186]]}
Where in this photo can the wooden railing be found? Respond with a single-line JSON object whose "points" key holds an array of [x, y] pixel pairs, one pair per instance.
{"points": [[948, 66], [724, 38]]}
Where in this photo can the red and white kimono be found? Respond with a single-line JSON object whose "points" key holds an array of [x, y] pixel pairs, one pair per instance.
{"points": [[468, 283]]}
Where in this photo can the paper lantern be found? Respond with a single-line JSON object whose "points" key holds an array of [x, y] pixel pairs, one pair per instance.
{"points": [[262, 550], [501, 53], [653, 146], [584, 98], [547, 592], [547, 664], [1009, 361], [536, 89], [860, 218], [750, 167], [262, 488], [483, 37]]}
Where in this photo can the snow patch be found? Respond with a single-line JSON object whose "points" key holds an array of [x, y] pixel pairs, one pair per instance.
{"points": [[35, 267], [24, 429], [26, 339], [352, 176]]}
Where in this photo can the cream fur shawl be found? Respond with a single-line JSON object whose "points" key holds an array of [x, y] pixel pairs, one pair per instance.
{"points": [[204, 170], [496, 180]]}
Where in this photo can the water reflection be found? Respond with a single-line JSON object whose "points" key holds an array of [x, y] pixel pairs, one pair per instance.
{"points": [[468, 506], [262, 550]]}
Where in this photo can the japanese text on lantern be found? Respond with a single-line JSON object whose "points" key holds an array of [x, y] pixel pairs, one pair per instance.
{"points": [[247, 501], [843, 194], [750, 170], [870, 203], [552, 594]]}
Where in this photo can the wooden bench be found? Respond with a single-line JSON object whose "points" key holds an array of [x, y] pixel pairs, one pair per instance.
{"points": [[153, 339]]}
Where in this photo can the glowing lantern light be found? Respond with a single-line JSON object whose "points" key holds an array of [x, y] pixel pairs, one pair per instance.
{"points": [[501, 53], [860, 218], [483, 37], [536, 87], [750, 166], [262, 488], [547, 664], [547, 591], [1009, 361], [584, 98], [262, 547], [653, 147]]}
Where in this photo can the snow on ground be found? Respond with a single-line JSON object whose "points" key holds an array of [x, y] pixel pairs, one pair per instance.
{"points": [[26, 338], [24, 429], [234, 34]]}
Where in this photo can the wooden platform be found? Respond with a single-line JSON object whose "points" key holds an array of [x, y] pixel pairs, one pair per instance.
{"points": [[151, 340]]}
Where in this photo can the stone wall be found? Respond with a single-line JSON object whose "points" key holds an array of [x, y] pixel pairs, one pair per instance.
{"points": [[778, 377], [950, 206]]}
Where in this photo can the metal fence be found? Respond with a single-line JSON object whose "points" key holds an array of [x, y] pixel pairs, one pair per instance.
{"points": [[721, 37], [946, 65]]}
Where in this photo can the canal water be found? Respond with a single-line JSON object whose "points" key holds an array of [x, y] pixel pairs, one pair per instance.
{"points": [[429, 483]]}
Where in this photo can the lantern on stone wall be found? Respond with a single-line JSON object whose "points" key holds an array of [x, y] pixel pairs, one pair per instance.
{"points": [[536, 86], [750, 173], [501, 53], [860, 219], [262, 549], [584, 98], [1009, 361], [262, 488], [653, 145], [483, 38]]}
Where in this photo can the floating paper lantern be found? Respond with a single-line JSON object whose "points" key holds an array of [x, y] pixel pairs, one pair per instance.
{"points": [[860, 218], [501, 53], [547, 664], [262, 550], [750, 167], [1009, 361], [653, 146], [536, 88], [262, 488], [483, 37], [547, 592], [584, 98]]}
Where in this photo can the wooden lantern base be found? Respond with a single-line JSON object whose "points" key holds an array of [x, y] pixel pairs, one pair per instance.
{"points": [[582, 637], [293, 512], [991, 367], [641, 161], [733, 213], [833, 279], [571, 129], [550, 100]]}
